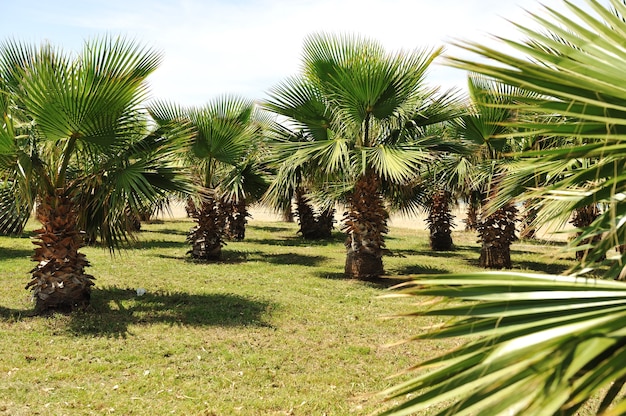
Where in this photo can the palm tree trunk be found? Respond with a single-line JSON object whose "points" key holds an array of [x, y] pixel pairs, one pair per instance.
{"points": [[581, 218], [305, 214], [207, 237], [497, 233], [325, 222], [471, 217], [365, 224], [59, 281], [237, 220], [440, 222]]}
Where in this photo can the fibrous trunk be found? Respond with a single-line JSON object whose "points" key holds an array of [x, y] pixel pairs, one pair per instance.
{"points": [[581, 218], [305, 214], [440, 222], [313, 226], [471, 218], [237, 219], [326, 222], [59, 281], [207, 237], [365, 224], [497, 233]]}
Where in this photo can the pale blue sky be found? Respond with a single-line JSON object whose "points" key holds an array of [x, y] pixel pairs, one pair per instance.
{"points": [[244, 47]]}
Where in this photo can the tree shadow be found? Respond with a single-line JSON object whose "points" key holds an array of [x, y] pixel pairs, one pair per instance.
{"points": [[298, 241], [228, 257], [419, 269], [451, 253], [268, 228], [12, 253], [385, 281], [158, 244], [292, 258], [548, 268], [169, 231], [330, 275], [113, 310], [8, 314]]}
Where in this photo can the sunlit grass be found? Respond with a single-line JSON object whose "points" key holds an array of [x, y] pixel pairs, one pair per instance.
{"points": [[273, 329]]}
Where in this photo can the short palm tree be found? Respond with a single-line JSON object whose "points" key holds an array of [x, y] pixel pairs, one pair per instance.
{"points": [[77, 142], [485, 125], [226, 129], [360, 104], [292, 185], [542, 344]]}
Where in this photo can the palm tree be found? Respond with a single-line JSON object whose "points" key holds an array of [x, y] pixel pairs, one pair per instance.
{"points": [[360, 104], [542, 344], [293, 185], [70, 127], [485, 125], [228, 131], [244, 185]]}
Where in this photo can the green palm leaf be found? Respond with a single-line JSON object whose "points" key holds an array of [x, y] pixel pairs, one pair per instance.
{"points": [[550, 336], [539, 344]]}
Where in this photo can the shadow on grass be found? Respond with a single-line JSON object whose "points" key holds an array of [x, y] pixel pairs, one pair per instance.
{"points": [[292, 258], [8, 314], [12, 253], [169, 231], [270, 229], [298, 241], [228, 257], [382, 282], [419, 269], [113, 309], [548, 268], [158, 244]]}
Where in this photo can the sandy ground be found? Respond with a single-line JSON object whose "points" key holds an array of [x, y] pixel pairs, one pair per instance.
{"points": [[400, 221]]}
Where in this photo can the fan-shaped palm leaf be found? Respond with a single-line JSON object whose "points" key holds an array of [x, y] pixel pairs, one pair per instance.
{"points": [[546, 344]]}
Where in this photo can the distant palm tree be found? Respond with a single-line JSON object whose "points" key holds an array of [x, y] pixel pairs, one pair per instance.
{"points": [[485, 125], [228, 133], [292, 185], [77, 142], [360, 104]]}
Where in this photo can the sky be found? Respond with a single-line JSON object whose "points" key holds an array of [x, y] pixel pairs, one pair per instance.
{"points": [[244, 47]]}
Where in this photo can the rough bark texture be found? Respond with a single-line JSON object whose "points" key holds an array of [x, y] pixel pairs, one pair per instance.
{"points": [[59, 281], [497, 233], [237, 219], [471, 218], [365, 224], [305, 214], [207, 237], [326, 223], [313, 226], [440, 222], [581, 218]]}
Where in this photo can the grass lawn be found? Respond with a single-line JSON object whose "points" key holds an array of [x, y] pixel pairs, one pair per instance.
{"points": [[274, 329]]}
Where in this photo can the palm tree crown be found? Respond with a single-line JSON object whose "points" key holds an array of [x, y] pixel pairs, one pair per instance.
{"points": [[76, 139], [360, 110]]}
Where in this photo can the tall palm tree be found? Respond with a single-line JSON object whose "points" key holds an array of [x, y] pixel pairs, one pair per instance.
{"points": [[77, 142], [553, 342], [360, 104]]}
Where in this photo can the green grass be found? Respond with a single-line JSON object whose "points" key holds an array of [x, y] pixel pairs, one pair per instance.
{"points": [[274, 329]]}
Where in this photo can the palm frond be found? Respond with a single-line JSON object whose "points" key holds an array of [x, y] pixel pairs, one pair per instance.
{"points": [[533, 343]]}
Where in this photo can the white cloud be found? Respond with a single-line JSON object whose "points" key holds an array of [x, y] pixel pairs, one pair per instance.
{"points": [[244, 47]]}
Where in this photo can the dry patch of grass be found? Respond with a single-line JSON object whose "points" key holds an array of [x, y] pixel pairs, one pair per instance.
{"points": [[274, 329]]}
